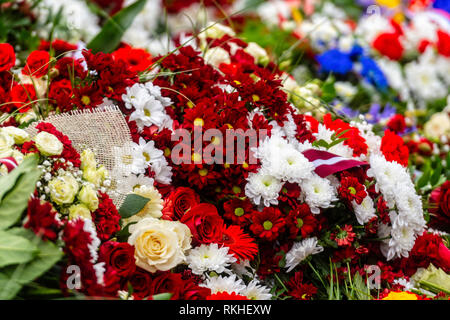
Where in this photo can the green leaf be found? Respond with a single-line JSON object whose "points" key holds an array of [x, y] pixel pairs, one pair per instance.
{"points": [[109, 37], [423, 180], [436, 174], [16, 200], [320, 143], [7, 182], [133, 204], [48, 254], [15, 249], [8, 289], [162, 296]]}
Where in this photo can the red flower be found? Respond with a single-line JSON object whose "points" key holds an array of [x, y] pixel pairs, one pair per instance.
{"points": [[388, 44], [394, 149], [141, 282], [120, 256], [180, 201], [351, 189], [267, 224], [344, 236], [22, 95], [300, 219], [240, 244], [167, 282], [106, 218], [299, 290], [397, 124], [443, 44], [37, 64], [238, 211], [223, 295], [191, 291], [204, 222], [7, 57], [41, 219], [60, 46], [69, 67], [137, 60], [61, 92], [440, 202]]}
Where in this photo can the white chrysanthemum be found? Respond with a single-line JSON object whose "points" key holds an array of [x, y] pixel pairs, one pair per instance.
{"points": [[423, 80], [300, 251], [401, 242], [209, 257], [144, 154], [289, 165], [163, 172], [318, 193], [227, 284], [256, 291], [340, 149], [243, 267], [136, 96], [127, 184], [100, 272], [364, 211], [263, 188]]}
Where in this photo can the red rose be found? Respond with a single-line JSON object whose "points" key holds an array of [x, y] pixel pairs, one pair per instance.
{"points": [[440, 202], [204, 222], [388, 44], [141, 282], [191, 291], [37, 64], [61, 92], [179, 202], [120, 256], [167, 282], [22, 95], [7, 57]]}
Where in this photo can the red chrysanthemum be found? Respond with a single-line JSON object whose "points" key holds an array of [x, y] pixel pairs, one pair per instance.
{"points": [[344, 236], [238, 211], [267, 224], [301, 220], [351, 189], [298, 289], [41, 218]]}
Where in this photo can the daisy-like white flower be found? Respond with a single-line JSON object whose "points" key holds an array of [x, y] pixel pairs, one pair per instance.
{"points": [[227, 284], [144, 155], [136, 96], [209, 257], [256, 291], [127, 184], [318, 193], [262, 188], [300, 251]]}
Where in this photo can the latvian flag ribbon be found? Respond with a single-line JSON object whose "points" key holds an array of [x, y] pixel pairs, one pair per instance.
{"points": [[327, 163], [9, 162]]}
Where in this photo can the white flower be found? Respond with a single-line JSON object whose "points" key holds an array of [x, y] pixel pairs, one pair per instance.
{"points": [[145, 154], [262, 188], [364, 211], [300, 251], [6, 143], [340, 149], [159, 244], [227, 284], [216, 56], [19, 135], [209, 257], [256, 291], [318, 193], [48, 144]]}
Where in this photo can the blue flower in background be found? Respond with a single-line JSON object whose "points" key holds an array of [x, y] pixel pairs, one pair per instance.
{"points": [[335, 61], [375, 116], [372, 73], [442, 4], [356, 51], [344, 110]]}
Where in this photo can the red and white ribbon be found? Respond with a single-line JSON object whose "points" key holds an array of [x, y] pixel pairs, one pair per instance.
{"points": [[327, 163], [9, 162]]}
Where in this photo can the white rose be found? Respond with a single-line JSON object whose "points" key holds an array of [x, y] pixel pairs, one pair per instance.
{"points": [[89, 197], [159, 244], [93, 176], [6, 143], [48, 144], [87, 158], [437, 126], [79, 210], [63, 189], [216, 56], [19, 135], [257, 52], [216, 31]]}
